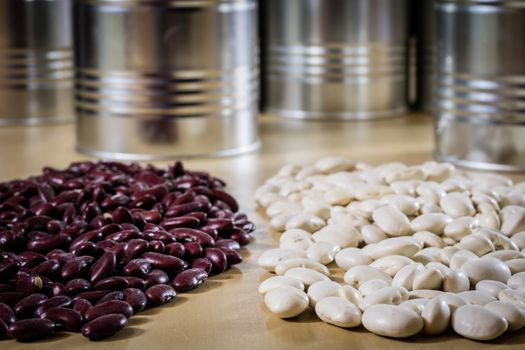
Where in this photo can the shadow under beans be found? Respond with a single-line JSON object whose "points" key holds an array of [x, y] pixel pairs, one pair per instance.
{"points": [[138, 320], [172, 303], [126, 333], [52, 338]]}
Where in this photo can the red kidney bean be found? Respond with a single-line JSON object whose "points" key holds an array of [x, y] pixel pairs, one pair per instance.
{"points": [[104, 267], [136, 247], [32, 259], [182, 209], [135, 282], [116, 295], [136, 298], [112, 283], [213, 233], [115, 201], [248, 227], [167, 263], [68, 213], [109, 229], [7, 314], [187, 197], [38, 223], [11, 298], [189, 279], [164, 237], [104, 326], [31, 329], [54, 288], [88, 248], [193, 250], [92, 296], [160, 294], [125, 235], [82, 306], [77, 285], [77, 267], [175, 249], [120, 250], [27, 306], [156, 246], [47, 268], [144, 201], [223, 226], [8, 270], [56, 301], [240, 236], [181, 221], [109, 307], [155, 277], [69, 319], [105, 244], [152, 216], [217, 258], [158, 191], [55, 226], [122, 215], [129, 227], [203, 264], [91, 236], [60, 255], [29, 284], [192, 235], [137, 268], [233, 257], [228, 243], [199, 215]]}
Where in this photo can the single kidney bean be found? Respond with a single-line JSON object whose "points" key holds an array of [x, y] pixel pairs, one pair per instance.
{"points": [[233, 257], [136, 298], [68, 213], [160, 294], [239, 219], [226, 198], [158, 192], [55, 226], [69, 319], [104, 326], [135, 282], [184, 198], [182, 209], [181, 221], [115, 201], [31, 329], [54, 288], [104, 267], [192, 235], [136, 247], [203, 264], [88, 248], [47, 243], [122, 215], [11, 298], [82, 306], [109, 229], [175, 249], [156, 246], [213, 233], [100, 221], [125, 235], [109, 307], [129, 227], [77, 285], [151, 216], [193, 250], [7, 314], [189, 279], [240, 236], [248, 227], [218, 259], [112, 283], [223, 226], [164, 237], [60, 255], [105, 244], [29, 284], [32, 259], [155, 277], [115, 295], [49, 268], [144, 201], [91, 236], [92, 296], [56, 301], [224, 211], [120, 250], [8, 270], [228, 243], [137, 268], [38, 222], [199, 215], [76, 267], [167, 263]]}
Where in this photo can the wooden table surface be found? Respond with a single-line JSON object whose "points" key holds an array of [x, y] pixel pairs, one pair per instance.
{"points": [[227, 312]]}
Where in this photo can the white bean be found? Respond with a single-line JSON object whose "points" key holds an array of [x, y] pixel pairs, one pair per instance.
{"points": [[460, 227], [433, 222], [516, 265], [478, 323], [322, 289], [456, 281], [270, 258], [279, 281], [387, 295], [460, 257], [486, 269], [514, 316], [350, 257], [428, 278], [339, 312], [307, 276], [491, 287], [283, 266], [357, 275], [372, 234], [296, 239], [278, 222], [512, 219], [391, 220], [405, 276], [416, 305], [517, 281], [391, 264], [516, 296], [286, 302], [322, 252], [392, 321], [436, 316], [519, 239], [309, 223], [476, 297], [339, 235], [406, 246], [453, 300], [329, 165], [371, 286]]}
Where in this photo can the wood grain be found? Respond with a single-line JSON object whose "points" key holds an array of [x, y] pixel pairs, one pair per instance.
{"points": [[227, 312]]}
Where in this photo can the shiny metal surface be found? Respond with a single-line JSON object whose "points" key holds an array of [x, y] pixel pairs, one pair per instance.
{"points": [[36, 62], [480, 83], [162, 79], [426, 53], [337, 59]]}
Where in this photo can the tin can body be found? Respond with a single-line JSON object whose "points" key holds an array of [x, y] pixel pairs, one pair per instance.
{"points": [[426, 53], [479, 85], [36, 62], [337, 59], [163, 79]]}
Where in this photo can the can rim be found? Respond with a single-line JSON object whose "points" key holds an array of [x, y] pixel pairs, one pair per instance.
{"points": [[473, 165]]}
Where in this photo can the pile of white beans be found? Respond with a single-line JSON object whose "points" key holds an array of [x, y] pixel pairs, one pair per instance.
{"points": [[423, 247]]}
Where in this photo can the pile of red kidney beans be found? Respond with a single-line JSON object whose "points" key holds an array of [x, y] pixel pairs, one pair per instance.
{"points": [[83, 249]]}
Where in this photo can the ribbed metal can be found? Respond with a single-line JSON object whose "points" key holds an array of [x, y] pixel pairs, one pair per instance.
{"points": [[36, 62], [426, 53], [337, 59], [480, 83], [161, 79]]}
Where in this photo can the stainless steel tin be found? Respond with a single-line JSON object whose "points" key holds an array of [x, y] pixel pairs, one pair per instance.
{"points": [[480, 84], [337, 59], [161, 79], [426, 53], [36, 62]]}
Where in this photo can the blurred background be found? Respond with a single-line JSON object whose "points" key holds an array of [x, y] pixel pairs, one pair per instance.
{"points": [[156, 79]]}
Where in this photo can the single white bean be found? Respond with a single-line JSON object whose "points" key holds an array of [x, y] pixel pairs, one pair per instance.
{"points": [[453, 300], [296, 239], [460, 257], [307, 276], [372, 234], [516, 265], [283, 266], [270, 258], [391, 220], [286, 302], [322, 252], [279, 281], [391, 264], [519, 239], [476, 297], [350, 257], [428, 278], [433, 222], [491, 287], [460, 227], [512, 220], [405, 276], [371, 286], [388, 295], [516, 296], [424, 294], [357, 275], [517, 281], [436, 316], [339, 312], [456, 281], [478, 323], [406, 246], [457, 204], [428, 239], [334, 164], [392, 321], [479, 245], [278, 222], [322, 289], [486, 269], [339, 235], [446, 254], [307, 222], [416, 305], [514, 316]]}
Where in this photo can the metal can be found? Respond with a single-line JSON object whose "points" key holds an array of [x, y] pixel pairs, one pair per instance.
{"points": [[426, 53], [337, 59], [480, 84], [161, 79], [36, 62]]}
